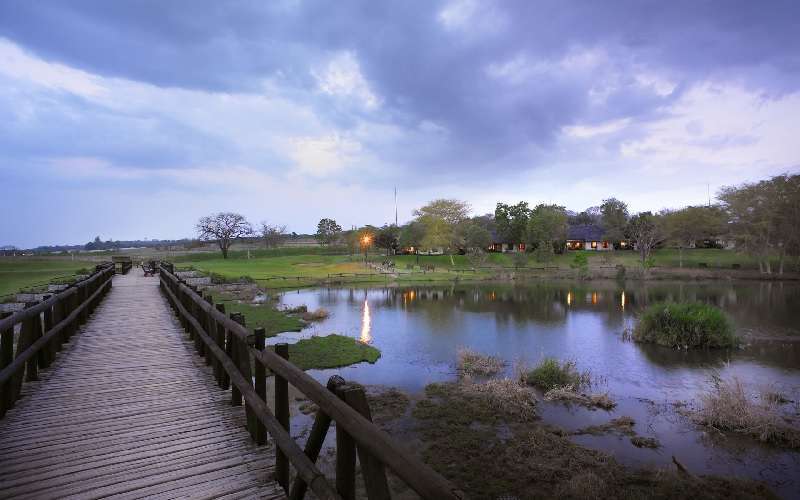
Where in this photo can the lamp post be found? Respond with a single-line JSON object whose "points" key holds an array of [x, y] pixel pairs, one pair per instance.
{"points": [[365, 241]]}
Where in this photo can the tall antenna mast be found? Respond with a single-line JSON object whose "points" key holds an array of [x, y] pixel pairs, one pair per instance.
{"points": [[708, 192], [395, 205]]}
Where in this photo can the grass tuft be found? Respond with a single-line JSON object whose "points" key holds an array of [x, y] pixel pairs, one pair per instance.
{"points": [[551, 374], [472, 363], [685, 325]]}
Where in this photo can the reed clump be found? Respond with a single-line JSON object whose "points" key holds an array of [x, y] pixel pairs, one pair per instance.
{"points": [[728, 407]]}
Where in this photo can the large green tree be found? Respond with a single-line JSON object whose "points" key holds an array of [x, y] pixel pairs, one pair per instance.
{"points": [[613, 219], [547, 229], [441, 219], [512, 222]]}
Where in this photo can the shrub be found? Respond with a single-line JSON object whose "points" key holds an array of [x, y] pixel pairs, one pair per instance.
{"points": [[550, 374], [685, 325], [317, 315], [474, 363]]}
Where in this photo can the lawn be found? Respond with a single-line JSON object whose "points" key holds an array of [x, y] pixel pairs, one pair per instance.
{"points": [[277, 269], [26, 273]]}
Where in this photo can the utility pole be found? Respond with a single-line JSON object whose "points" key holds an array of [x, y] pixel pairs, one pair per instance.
{"points": [[395, 205]]}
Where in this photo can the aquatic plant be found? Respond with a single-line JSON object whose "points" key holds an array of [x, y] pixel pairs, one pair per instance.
{"points": [[568, 394], [685, 325], [550, 374], [474, 363]]}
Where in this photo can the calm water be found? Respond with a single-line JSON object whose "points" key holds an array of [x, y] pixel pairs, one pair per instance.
{"points": [[419, 329]]}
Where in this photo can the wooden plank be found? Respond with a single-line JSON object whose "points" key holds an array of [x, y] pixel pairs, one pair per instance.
{"points": [[127, 409]]}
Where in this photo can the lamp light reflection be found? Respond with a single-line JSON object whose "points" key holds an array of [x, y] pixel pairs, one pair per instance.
{"points": [[366, 324], [569, 298]]}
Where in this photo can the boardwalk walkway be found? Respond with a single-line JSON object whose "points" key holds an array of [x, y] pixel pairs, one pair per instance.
{"points": [[129, 411]]}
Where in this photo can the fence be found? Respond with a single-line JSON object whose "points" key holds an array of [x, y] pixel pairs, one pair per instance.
{"points": [[43, 328], [225, 343]]}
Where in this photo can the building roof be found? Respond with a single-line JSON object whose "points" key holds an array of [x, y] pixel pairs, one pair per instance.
{"points": [[585, 232]]}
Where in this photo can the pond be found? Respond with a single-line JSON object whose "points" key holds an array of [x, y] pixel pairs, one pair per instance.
{"points": [[420, 328]]}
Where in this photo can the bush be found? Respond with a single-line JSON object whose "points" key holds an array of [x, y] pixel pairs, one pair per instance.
{"points": [[685, 325], [551, 374]]}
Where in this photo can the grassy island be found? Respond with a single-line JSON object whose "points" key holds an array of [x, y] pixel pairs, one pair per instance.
{"points": [[685, 325]]}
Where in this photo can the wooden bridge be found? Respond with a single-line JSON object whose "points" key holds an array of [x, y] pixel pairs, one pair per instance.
{"points": [[105, 392]]}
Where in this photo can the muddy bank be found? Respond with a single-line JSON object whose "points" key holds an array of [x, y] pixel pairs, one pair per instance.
{"points": [[492, 450]]}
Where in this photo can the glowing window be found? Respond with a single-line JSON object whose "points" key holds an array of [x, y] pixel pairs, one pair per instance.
{"points": [[594, 244]]}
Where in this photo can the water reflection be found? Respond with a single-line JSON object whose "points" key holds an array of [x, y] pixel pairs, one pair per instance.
{"points": [[366, 324]]}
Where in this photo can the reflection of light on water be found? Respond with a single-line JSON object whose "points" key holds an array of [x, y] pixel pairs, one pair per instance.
{"points": [[622, 300], [569, 298], [366, 324], [594, 297]]}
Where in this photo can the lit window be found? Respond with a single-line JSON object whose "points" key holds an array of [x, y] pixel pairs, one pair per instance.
{"points": [[594, 244]]}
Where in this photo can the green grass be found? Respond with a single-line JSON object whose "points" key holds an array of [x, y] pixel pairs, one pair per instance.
{"points": [[550, 374], [260, 316], [331, 351], [28, 273], [685, 325]]}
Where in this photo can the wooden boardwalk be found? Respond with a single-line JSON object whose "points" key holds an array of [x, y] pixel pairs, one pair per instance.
{"points": [[129, 411]]}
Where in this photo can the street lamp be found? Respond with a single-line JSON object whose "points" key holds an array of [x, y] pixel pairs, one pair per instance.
{"points": [[365, 242]]}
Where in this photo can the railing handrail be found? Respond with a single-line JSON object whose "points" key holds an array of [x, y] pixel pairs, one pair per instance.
{"points": [[33, 349], [416, 474], [20, 316]]}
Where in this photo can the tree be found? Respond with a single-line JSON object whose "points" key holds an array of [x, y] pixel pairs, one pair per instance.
{"points": [[441, 219], [589, 216], [512, 222], [684, 227], [273, 235], [643, 229], [763, 218], [613, 219], [547, 229], [476, 237], [386, 237], [411, 236], [327, 231], [224, 227]]}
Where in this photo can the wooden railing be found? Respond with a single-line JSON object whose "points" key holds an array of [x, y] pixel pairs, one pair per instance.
{"points": [[225, 342], [43, 328]]}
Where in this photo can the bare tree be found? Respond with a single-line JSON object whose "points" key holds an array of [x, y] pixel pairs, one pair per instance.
{"points": [[224, 228], [273, 235], [645, 232]]}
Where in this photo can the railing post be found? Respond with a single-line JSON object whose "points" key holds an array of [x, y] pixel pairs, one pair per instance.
{"points": [[29, 335], [282, 415], [233, 353], [58, 317], [260, 376], [345, 456], [316, 438], [223, 379], [6, 357], [372, 469], [47, 355]]}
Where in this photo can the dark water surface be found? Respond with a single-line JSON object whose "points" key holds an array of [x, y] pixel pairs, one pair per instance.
{"points": [[420, 328]]}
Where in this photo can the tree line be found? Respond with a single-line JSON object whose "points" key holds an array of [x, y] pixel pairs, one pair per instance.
{"points": [[760, 219]]}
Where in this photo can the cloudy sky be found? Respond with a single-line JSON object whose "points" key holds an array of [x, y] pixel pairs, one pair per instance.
{"points": [[132, 119]]}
